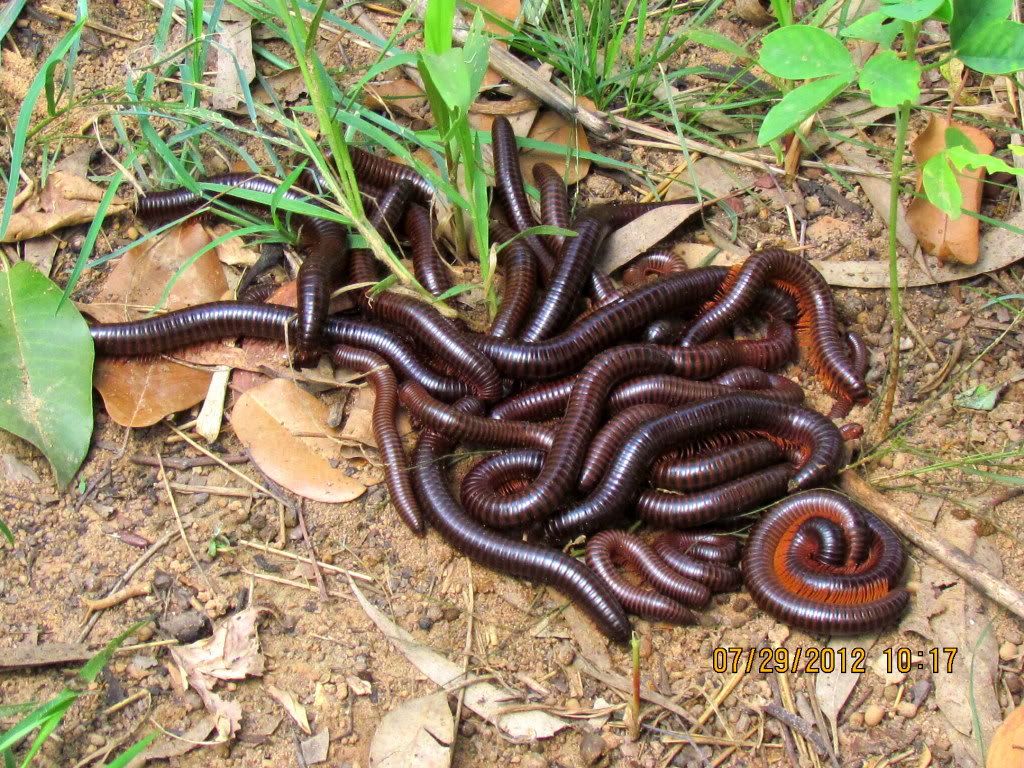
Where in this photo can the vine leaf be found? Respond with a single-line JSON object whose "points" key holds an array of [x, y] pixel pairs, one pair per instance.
{"points": [[46, 357]]}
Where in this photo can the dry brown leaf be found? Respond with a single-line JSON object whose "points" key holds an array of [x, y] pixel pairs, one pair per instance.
{"points": [[234, 250], [288, 86], [832, 689], [1006, 750], [141, 391], [754, 12], [232, 652], [951, 240], [401, 94], [417, 732], [292, 706], [231, 57], [359, 424], [550, 126], [642, 234], [281, 426], [65, 200], [485, 699], [168, 748]]}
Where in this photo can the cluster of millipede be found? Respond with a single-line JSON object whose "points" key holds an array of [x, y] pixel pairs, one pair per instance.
{"points": [[611, 403]]}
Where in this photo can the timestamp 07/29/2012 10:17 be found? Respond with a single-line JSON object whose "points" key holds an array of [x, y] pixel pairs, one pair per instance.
{"points": [[901, 659]]}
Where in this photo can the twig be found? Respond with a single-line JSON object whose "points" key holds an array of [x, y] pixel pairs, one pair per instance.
{"points": [[313, 559], [181, 529], [98, 26], [799, 725], [121, 596], [292, 556], [155, 547], [787, 737], [186, 462], [954, 558]]}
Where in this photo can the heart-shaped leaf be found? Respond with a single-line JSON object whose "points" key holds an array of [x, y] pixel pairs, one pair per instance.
{"points": [[46, 357], [798, 52], [890, 80]]}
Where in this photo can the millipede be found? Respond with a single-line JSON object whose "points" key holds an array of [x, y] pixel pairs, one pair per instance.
{"points": [[598, 405]]}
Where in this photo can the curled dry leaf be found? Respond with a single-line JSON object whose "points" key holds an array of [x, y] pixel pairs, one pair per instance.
{"points": [[753, 11], [292, 706], [139, 391], [1006, 750], [643, 233], [233, 251], [555, 129], [66, 199], [417, 732], [232, 652], [401, 95], [285, 431], [489, 701], [233, 58], [952, 240]]}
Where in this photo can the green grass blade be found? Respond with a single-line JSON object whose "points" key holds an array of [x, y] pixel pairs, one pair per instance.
{"points": [[132, 752]]}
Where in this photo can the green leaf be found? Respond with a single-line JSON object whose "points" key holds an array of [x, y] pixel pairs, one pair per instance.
{"points": [[800, 52], [874, 27], [967, 159], [981, 398], [476, 51], [995, 47], [8, 15], [799, 104], [136, 749], [969, 14], [717, 41], [7, 533], [46, 356], [957, 138], [450, 76], [941, 186], [890, 80], [438, 21], [911, 10]]}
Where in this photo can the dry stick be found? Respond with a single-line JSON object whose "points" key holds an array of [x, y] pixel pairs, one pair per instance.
{"points": [[155, 547], [185, 462], [292, 556], [121, 596], [954, 558], [799, 725], [181, 528], [313, 558]]}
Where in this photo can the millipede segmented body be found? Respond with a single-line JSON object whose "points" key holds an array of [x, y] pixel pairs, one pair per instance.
{"points": [[823, 563], [610, 404]]}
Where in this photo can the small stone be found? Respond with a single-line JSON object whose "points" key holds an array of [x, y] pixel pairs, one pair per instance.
{"points": [[906, 343], [564, 654], [592, 746], [740, 604], [1008, 651], [907, 709], [187, 627], [856, 720], [425, 622], [97, 739], [873, 715], [192, 701], [435, 613]]}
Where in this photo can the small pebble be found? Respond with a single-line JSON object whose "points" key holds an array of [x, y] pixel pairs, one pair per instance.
{"points": [[856, 720], [1008, 651], [592, 746], [97, 739], [873, 715], [907, 709]]}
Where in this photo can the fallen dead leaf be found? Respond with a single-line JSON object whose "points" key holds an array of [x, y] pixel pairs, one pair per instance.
{"points": [[288, 86], [877, 191], [292, 706], [233, 251], [401, 94], [1006, 750], [141, 391], [359, 424], [485, 699], [832, 689], [417, 732], [168, 748], [285, 431], [315, 748], [754, 12], [232, 58], [950, 240], [642, 234], [65, 200], [232, 652], [551, 127]]}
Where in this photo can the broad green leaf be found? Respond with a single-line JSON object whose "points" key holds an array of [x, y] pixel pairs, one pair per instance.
{"points": [[800, 52], [874, 27], [957, 138], [945, 11], [981, 398], [911, 10], [450, 75], [995, 47], [966, 159], [717, 41], [46, 357], [941, 186], [438, 21], [968, 14], [797, 105], [890, 80], [476, 51]]}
